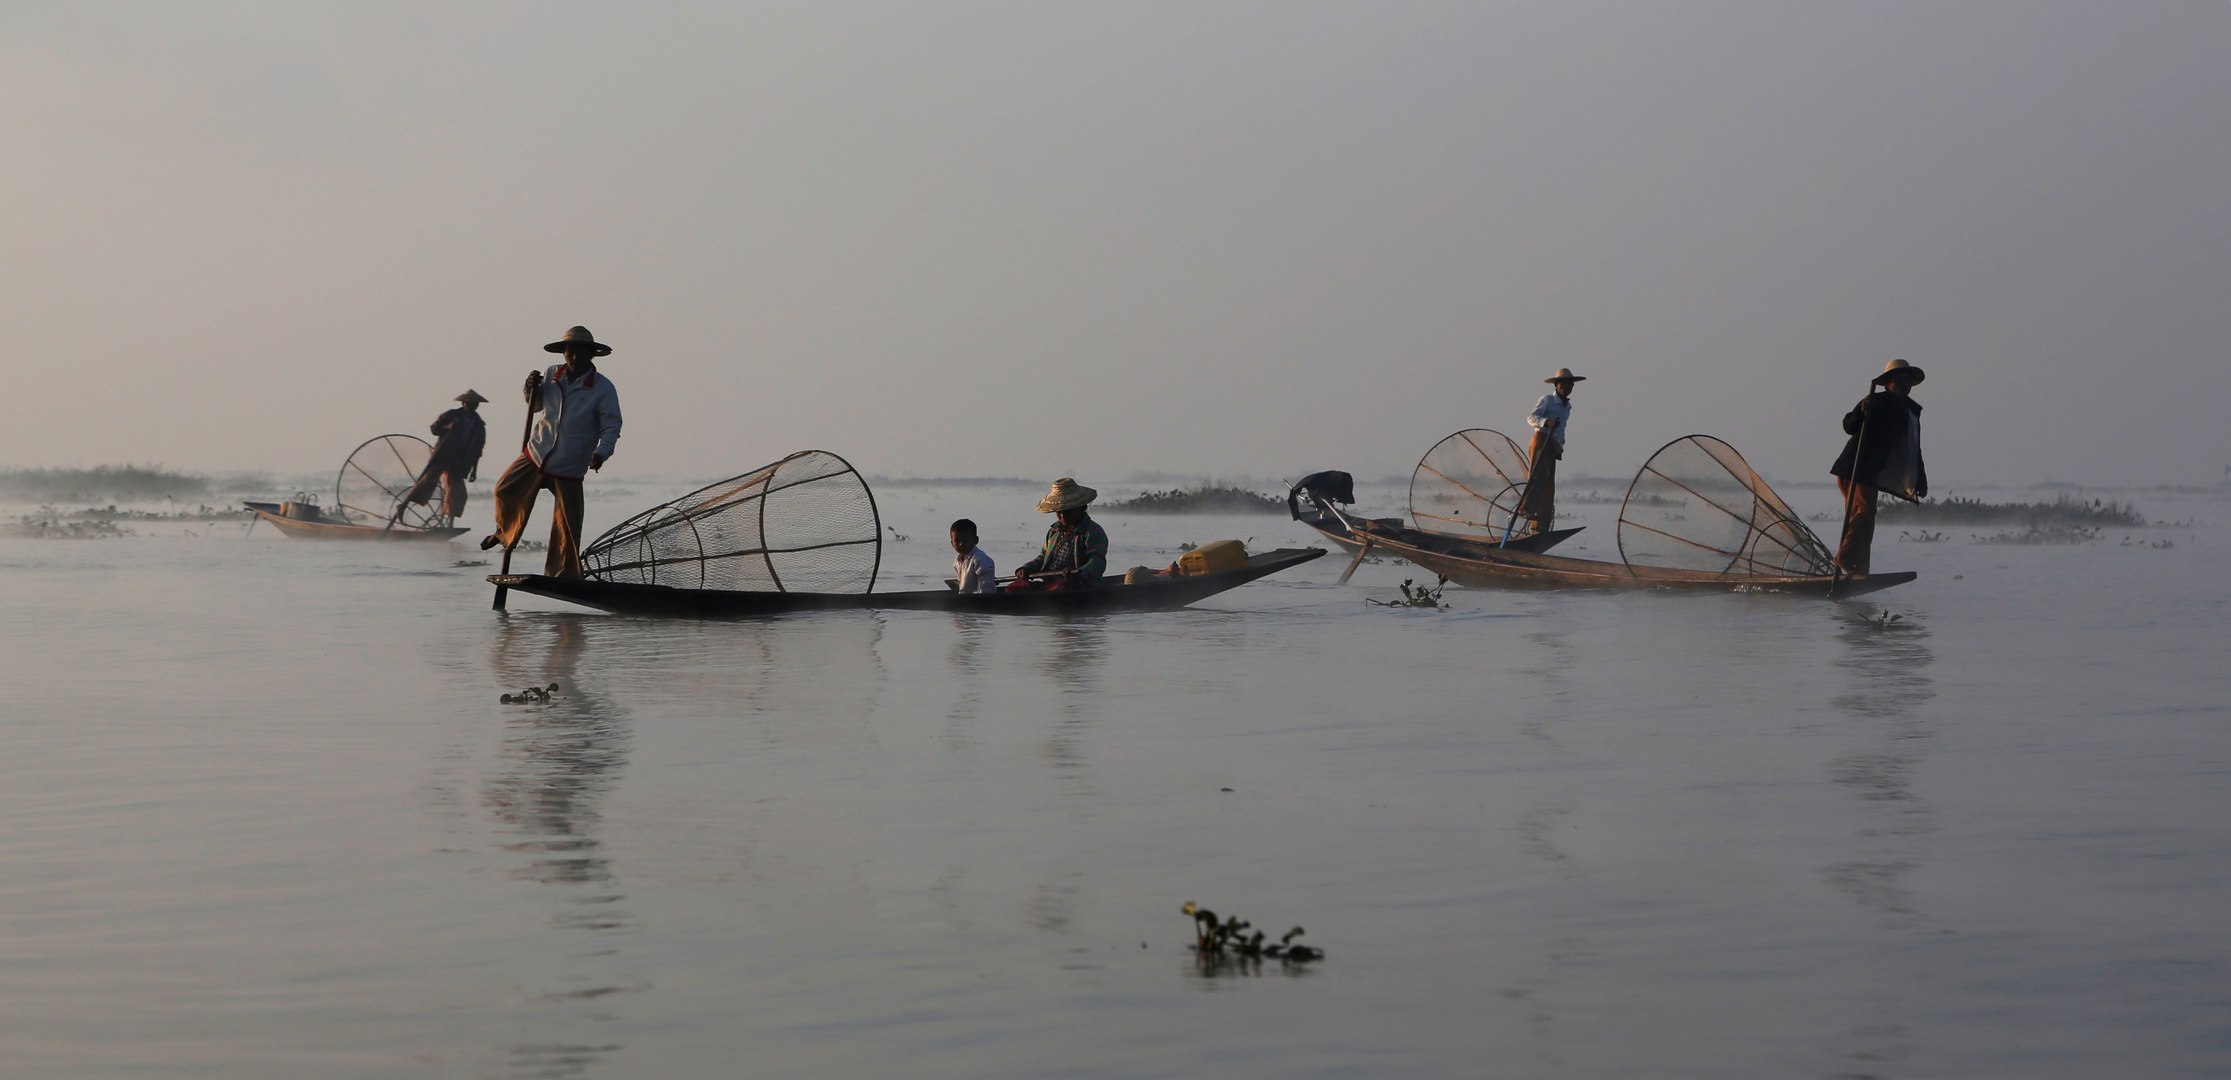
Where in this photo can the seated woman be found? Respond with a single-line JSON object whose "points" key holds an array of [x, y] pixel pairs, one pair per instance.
{"points": [[1076, 546]]}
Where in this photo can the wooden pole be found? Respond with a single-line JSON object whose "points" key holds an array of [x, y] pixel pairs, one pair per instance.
{"points": [[1361, 551], [524, 436]]}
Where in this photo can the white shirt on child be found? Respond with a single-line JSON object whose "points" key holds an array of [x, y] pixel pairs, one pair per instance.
{"points": [[974, 571]]}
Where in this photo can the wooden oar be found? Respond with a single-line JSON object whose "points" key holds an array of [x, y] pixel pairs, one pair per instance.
{"points": [[529, 433]]}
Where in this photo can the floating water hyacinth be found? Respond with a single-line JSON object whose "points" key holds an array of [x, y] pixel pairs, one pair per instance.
{"points": [[1215, 939], [1415, 595], [533, 695]]}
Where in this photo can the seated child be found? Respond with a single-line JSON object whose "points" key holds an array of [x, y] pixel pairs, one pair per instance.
{"points": [[971, 567]]}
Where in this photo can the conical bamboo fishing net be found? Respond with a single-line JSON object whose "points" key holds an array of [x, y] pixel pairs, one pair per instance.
{"points": [[1697, 505], [806, 523], [377, 476], [1469, 484]]}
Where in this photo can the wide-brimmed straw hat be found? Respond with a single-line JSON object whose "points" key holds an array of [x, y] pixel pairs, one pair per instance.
{"points": [[1067, 494], [470, 397], [1899, 365], [1565, 374], [579, 335]]}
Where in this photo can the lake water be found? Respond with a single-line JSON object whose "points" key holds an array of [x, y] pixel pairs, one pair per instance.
{"points": [[263, 815]]}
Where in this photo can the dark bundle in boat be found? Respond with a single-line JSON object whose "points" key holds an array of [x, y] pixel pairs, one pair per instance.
{"points": [[803, 534]]}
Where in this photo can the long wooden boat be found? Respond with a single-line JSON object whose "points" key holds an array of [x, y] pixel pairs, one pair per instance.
{"points": [[1310, 501], [1479, 565], [325, 528], [1337, 530], [1161, 594]]}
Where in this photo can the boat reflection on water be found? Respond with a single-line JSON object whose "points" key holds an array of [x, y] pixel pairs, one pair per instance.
{"points": [[1075, 659], [965, 657], [558, 760], [1889, 661], [557, 764]]}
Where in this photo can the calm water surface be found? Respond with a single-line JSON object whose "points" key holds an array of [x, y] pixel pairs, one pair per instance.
{"points": [[263, 815]]}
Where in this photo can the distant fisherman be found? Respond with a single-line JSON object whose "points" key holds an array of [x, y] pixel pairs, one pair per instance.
{"points": [[1883, 454], [574, 423], [1550, 415], [1076, 546], [459, 437]]}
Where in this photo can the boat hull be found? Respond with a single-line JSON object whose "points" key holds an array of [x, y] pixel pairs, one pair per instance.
{"points": [[1162, 594], [1335, 530], [1478, 565], [334, 530]]}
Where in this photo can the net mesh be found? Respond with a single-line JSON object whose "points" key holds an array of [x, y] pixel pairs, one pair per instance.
{"points": [[377, 476], [1469, 484], [806, 523], [1697, 505]]}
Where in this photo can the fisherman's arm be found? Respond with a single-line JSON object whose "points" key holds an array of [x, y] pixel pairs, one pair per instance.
{"points": [[533, 391], [1094, 546], [1542, 419], [1033, 566], [608, 428]]}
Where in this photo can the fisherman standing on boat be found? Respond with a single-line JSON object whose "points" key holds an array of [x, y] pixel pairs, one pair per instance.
{"points": [[459, 437], [573, 424], [1883, 454], [1076, 546], [1550, 415]]}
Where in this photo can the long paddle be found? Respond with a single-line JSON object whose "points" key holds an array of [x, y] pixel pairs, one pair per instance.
{"points": [[528, 433]]}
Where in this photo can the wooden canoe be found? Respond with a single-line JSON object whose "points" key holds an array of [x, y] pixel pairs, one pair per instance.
{"points": [[1161, 594], [1478, 565], [1337, 531], [1310, 502], [327, 529]]}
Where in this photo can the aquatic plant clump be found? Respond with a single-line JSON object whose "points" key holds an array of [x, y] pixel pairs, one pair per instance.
{"points": [[129, 483], [2043, 534], [1203, 498], [533, 695], [1215, 938], [2067, 510], [48, 525], [1415, 595]]}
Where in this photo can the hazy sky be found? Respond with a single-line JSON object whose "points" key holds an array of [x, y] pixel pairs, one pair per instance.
{"points": [[1067, 239]]}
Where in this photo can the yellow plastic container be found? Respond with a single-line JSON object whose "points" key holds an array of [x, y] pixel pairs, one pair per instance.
{"points": [[1213, 558]]}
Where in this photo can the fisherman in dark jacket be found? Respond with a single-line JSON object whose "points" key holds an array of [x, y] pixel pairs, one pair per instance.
{"points": [[1883, 454], [459, 436]]}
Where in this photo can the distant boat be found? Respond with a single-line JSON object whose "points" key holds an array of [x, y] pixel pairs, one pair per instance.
{"points": [[307, 521], [368, 498], [1468, 486], [1696, 518], [1312, 500]]}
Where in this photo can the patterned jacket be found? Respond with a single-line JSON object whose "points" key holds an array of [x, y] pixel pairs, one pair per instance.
{"points": [[1061, 552]]}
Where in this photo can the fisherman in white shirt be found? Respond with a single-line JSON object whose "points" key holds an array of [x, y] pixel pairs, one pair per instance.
{"points": [[1549, 418], [972, 569], [573, 427]]}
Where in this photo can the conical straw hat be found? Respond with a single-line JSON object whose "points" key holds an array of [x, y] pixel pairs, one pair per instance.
{"points": [[1900, 365], [1067, 494]]}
